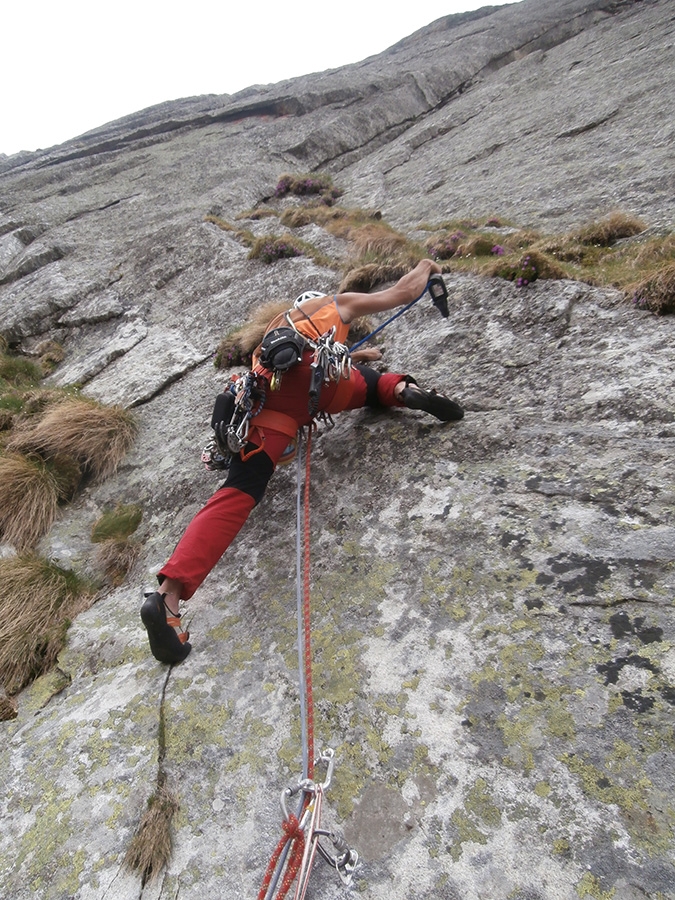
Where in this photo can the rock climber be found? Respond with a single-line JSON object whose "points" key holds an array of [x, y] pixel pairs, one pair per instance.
{"points": [[285, 410]]}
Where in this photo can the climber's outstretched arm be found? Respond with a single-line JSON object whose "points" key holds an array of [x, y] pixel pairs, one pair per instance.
{"points": [[352, 305]]}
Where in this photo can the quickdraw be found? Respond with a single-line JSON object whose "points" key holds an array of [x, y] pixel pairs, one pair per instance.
{"points": [[332, 356], [332, 361], [300, 842], [244, 399], [249, 398]]}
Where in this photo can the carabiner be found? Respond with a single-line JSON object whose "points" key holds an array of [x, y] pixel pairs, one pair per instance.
{"points": [[327, 756]]}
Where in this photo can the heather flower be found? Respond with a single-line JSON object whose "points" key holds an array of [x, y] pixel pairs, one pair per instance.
{"points": [[446, 247], [528, 272], [302, 185], [284, 186], [273, 250], [498, 250]]}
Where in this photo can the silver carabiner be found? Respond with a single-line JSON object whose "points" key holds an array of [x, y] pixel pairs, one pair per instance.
{"points": [[327, 757]]}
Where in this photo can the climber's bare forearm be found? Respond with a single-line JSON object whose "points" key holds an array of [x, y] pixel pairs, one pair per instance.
{"points": [[352, 305]]}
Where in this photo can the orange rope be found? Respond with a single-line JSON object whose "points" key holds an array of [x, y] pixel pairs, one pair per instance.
{"points": [[295, 834], [306, 619]]}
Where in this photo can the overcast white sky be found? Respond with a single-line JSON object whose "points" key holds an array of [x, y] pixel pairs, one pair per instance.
{"points": [[67, 66]]}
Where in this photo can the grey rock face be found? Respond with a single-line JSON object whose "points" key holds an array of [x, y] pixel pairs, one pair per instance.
{"points": [[492, 601]]}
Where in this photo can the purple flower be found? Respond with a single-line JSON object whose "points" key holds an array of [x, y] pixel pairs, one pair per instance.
{"points": [[498, 250]]}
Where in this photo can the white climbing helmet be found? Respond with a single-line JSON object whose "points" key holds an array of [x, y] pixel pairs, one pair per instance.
{"points": [[308, 295]]}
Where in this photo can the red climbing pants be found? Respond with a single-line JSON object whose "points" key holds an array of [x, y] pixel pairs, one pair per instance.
{"points": [[216, 525]]}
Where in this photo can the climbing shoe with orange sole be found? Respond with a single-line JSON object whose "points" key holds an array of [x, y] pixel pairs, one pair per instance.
{"points": [[166, 643]]}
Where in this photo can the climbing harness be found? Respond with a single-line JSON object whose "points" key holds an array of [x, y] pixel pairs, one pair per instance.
{"points": [[439, 297], [297, 848]]}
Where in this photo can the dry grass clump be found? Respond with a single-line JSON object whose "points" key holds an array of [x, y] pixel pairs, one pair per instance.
{"points": [[114, 558], [528, 268], [223, 224], [325, 216], [115, 555], [373, 242], [29, 498], [467, 240], [364, 278], [304, 185], [378, 240], [37, 601], [18, 372], [8, 708], [657, 293], [586, 246], [20, 404], [50, 438], [273, 247], [150, 848], [479, 245], [609, 230], [337, 220], [270, 248], [256, 214], [243, 235], [379, 254], [96, 436], [655, 252], [50, 354]]}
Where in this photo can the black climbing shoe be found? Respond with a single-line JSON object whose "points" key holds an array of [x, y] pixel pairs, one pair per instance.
{"points": [[446, 410], [167, 644]]}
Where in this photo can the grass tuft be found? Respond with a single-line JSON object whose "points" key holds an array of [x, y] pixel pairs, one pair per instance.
{"points": [[255, 215], [115, 557], [96, 436], [29, 497], [8, 708], [364, 278], [18, 372], [50, 353], [657, 293], [527, 268], [150, 848], [377, 240], [609, 230], [308, 184], [272, 247], [479, 245], [117, 523], [37, 601]]}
